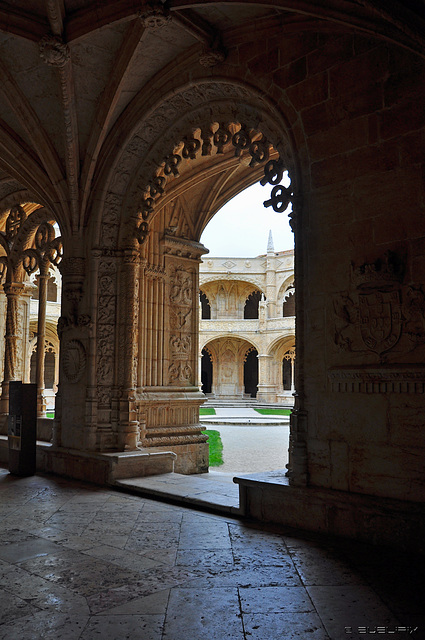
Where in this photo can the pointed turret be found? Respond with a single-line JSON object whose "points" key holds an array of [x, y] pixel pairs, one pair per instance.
{"points": [[270, 246]]}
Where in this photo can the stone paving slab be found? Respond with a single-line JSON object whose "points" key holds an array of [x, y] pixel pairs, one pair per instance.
{"points": [[213, 495]]}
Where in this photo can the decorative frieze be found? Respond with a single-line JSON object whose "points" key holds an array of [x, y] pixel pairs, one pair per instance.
{"points": [[410, 379]]}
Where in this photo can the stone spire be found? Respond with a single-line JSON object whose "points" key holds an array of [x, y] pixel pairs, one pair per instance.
{"points": [[270, 246]]}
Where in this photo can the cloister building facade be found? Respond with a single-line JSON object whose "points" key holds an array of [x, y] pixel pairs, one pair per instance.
{"points": [[247, 326], [127, 126]]}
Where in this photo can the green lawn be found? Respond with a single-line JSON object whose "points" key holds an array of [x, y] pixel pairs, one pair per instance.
{"points": [[50, 414], [206, 411], [274, 412], [216, 448]]}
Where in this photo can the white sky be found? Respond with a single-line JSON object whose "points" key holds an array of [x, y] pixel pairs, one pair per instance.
{"points": [[241, 228]]}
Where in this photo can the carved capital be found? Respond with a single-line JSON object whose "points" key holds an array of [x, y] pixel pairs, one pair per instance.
{"points": [[73, 267], [54, 51]]}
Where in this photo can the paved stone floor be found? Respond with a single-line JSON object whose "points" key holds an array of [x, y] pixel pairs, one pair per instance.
{"points": [[79, 562]]}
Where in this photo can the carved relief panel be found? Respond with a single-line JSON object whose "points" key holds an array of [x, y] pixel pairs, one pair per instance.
{"points": [[181, 310]]}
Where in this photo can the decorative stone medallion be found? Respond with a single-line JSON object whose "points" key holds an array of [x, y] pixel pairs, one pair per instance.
{"points": [[74, 360]]}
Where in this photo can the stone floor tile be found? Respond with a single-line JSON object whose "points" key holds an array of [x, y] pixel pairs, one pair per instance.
{"points": [[205, 558], [153, 535], [155, 603], [13, 535], [349, 606], [158, 515], [163, 556], [124, 559], [318, 567], [44, 625], [136, 627], [148, 583], [204, 535], [252, 576], [284, 626], [12, 607], [275, 600], [207, 615], [24, 550]]}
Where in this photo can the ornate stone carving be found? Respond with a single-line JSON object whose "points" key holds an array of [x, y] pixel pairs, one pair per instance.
{"points": [[154, 15], [73, 360], [54, 51], [380, 314], [211, 57], [14, 221], [394, 379]]}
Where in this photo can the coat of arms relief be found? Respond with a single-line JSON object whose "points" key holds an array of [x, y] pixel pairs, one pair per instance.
{"points": [[380, 313]]}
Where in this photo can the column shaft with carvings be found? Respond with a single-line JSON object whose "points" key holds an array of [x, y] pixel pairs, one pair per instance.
{"points": [[128, 435], [41, 335], [169, 396], [13, 292]]}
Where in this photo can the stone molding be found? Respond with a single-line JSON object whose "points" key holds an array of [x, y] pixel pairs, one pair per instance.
{"points": [[410, 379]]}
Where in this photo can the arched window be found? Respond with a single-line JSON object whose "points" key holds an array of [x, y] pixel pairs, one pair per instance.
{"points": [[250, 311], [289, 306], [206, 371], [250, 372], [205, 307]]}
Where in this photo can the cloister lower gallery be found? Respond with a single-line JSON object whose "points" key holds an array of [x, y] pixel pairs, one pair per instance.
{"points": [[124, 127]]}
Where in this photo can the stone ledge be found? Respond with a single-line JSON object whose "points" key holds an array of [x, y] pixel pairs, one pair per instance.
{"points": [[269, 497], [100, 468]]}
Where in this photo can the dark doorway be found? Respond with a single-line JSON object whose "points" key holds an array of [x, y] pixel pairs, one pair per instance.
{"points": [[250, 373], [287, 375], [206, 371]]}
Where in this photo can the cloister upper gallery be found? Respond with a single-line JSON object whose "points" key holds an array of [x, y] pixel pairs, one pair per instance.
{"points": [[126, 125]]}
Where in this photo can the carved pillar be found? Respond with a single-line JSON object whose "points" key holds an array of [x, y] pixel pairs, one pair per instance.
{"points": [[41, 334], [13, 292], [169, 397], [71, 430], [128, 435]]}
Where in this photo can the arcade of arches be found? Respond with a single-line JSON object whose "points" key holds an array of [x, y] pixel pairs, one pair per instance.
{"points": [[127, 126], [247, 327]]}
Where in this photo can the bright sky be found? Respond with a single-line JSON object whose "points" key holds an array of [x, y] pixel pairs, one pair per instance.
{"points": [[241, 228]]}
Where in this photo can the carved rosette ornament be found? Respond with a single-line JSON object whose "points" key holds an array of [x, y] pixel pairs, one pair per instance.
{"points": [[54, 51]]}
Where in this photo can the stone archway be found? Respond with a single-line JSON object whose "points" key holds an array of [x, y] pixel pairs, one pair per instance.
{"points": [[217, 137]]}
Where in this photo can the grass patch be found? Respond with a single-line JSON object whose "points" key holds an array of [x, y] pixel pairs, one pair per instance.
{"points": [[206, 411], [50, 414], [216, 448], [274, 412]]}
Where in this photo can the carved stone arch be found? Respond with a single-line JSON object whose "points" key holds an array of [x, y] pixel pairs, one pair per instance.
{"points": [[168, 127], [25, 236]]}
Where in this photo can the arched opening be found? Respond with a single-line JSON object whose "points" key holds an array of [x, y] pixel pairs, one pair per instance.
{"points": [[289, 306], [250, 311], [206, 371], [205, 307], [250, 373]]}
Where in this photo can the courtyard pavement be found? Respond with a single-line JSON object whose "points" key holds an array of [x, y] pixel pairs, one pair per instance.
{"points": [[80, 562]]}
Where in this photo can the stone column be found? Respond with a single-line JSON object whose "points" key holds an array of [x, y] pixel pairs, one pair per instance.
{"points": [[13, 291], [266, 389], [41, 335]]}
